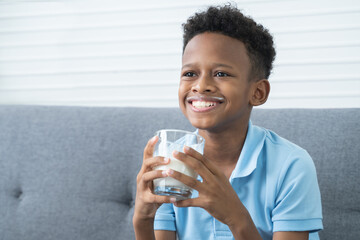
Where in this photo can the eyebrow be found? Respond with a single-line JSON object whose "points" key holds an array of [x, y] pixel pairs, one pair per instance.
{"points": [[222, 65], [215, 65]]}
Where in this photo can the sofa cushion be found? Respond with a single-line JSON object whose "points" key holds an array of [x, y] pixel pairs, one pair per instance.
{"points": [[69, 172]]}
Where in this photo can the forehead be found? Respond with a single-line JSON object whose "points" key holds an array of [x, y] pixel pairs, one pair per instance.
{"points": [[215, 47]]}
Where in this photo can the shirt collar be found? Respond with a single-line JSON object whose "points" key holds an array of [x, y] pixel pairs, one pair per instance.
{"points": [[250, 152]]}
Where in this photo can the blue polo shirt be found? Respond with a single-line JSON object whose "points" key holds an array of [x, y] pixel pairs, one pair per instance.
{"points": [[274, 179]]}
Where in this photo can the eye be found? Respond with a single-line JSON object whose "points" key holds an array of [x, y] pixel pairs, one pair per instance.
{"points": [[189, 74], [221, 74]]}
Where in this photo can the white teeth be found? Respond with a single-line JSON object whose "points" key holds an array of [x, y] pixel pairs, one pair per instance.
{"points": [[202, 104]]}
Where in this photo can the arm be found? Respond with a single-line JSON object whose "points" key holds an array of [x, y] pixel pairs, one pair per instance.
{"points": [[143, 229], [216, 195], [146, 203], [165, 235], [244, 228], [291, 235], [298, 203]]}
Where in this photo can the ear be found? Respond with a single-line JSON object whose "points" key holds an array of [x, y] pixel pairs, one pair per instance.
{"points": [[259, 92]]}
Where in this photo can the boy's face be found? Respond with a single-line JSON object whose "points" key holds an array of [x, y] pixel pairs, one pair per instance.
{"points": [[215, 91]]}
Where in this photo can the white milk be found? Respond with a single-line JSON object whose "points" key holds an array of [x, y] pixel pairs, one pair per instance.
{"points": [[165, 147], [177, 166]]}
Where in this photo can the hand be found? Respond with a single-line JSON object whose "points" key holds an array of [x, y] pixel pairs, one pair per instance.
{"points": [[216, 194], [146, 203]]}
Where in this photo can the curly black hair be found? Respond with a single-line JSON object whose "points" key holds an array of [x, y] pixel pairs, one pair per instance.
{"points": [[230, 21]]}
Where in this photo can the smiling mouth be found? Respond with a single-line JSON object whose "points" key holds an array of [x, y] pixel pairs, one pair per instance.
{"points": [[201, 104]]}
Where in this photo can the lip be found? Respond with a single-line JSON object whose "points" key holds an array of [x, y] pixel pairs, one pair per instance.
{"points": [[203, 98]]}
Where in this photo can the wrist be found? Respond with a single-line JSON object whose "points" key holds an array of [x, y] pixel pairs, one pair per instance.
{"points": [[244, 228], [142, 219], [143, 228]]}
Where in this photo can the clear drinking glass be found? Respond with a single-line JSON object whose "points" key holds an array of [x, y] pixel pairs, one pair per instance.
{"points": [[170, 140]]}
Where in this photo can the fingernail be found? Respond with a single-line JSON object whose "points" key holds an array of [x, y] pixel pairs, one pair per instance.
{"points": [[169, 172], [186, 148], [172, 200], [164, 173], [153, 139], [166, 160]]}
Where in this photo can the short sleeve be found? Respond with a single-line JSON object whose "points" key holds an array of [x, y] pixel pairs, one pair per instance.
{"points": [[298, 201], [165, 218]]}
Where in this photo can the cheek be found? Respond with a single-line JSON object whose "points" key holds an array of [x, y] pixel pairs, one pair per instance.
{"points": [[180, 93], [181, 96], [183, 90], [236, 95]]}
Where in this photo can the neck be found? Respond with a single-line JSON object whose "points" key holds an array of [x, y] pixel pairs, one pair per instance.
{"points": [[223, 148]]}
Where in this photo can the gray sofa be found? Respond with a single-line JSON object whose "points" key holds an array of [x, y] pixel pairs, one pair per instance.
{"points": [[69, 172]]}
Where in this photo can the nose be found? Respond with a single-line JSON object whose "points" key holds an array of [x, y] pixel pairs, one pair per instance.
{"points": [[204, 84]]}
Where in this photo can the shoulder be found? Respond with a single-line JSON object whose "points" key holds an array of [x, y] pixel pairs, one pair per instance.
{"points": [[284, 157], [277, 141], [281, 148]]}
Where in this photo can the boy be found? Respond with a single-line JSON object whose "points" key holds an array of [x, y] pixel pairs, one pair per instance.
{"points": [[253, 184]]}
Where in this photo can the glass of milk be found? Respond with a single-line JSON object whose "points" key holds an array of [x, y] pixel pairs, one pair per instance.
{"points": [[170, 140]]}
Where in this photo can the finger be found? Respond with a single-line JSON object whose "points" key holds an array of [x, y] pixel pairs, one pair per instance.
{"points": [[187, 180], [150, 176], [150, 163], [149, 148], [191, 152], [194, 163], [146, 179], [152, 198], [191, 202]]}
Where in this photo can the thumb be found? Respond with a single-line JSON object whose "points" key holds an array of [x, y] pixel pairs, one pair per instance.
{"points": [[149, 148]]}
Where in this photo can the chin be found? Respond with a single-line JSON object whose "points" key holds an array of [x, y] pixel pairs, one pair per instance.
{"points": [[203, 124]]}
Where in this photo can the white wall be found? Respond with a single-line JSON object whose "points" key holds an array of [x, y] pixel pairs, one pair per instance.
{"points": [[128, 53]]}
